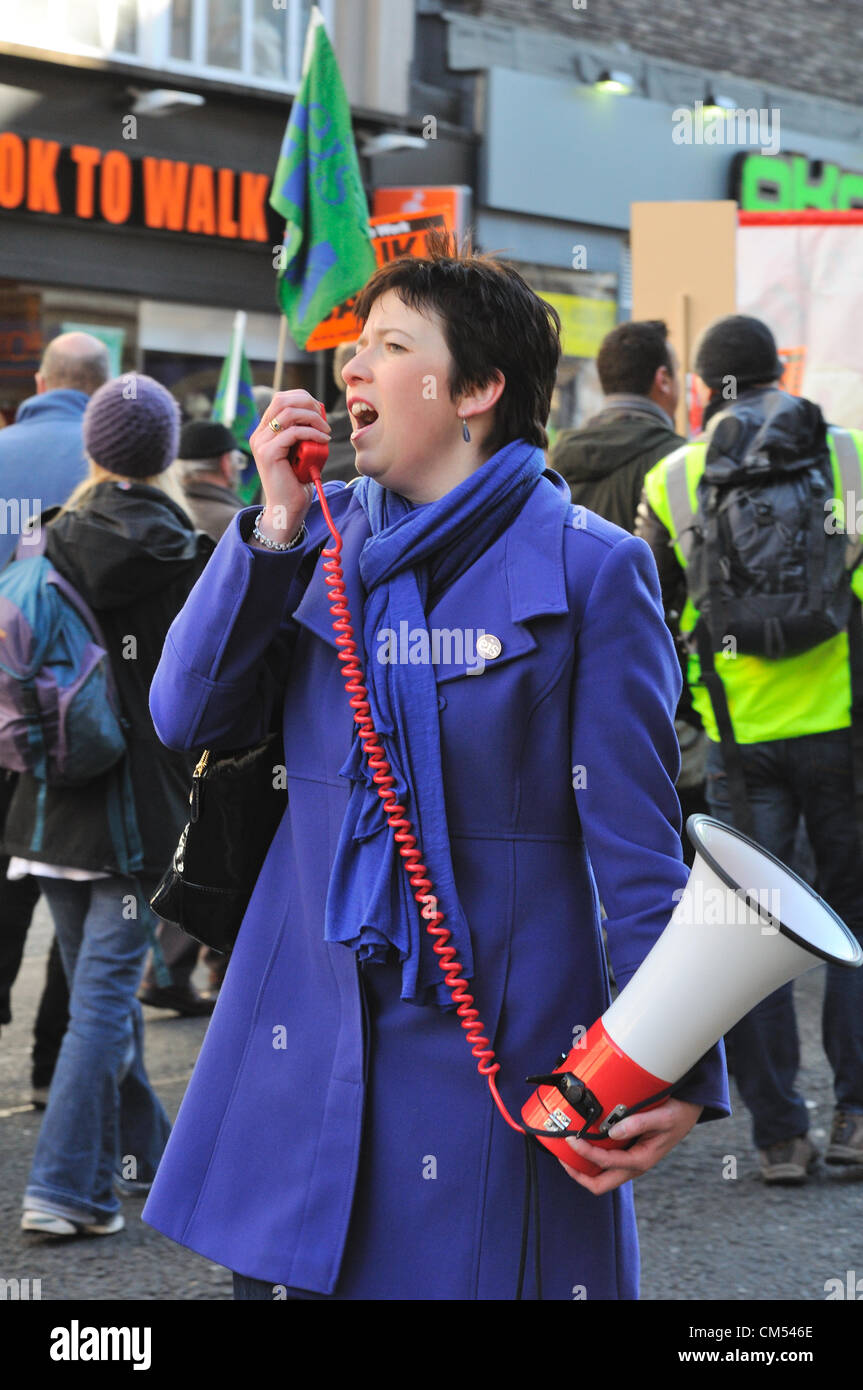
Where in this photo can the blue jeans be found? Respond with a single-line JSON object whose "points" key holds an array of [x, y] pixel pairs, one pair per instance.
{"points": [[810, 776], [103, 1117]]}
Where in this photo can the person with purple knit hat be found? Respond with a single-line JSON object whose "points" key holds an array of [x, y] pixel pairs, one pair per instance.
{"points": [[125, 542]]}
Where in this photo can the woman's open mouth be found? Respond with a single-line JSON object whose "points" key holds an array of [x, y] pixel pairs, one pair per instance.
{"points": [[364, 417]]}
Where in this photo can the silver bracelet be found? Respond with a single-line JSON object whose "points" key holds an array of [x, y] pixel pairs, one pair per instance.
{"points": [[277, 545]]}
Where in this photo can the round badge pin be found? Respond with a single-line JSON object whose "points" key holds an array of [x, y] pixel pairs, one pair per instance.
{"points": [[488, 646]]}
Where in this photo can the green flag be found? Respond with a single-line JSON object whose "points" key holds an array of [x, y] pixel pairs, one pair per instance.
{"points": [[327, 253], [235, 408]]}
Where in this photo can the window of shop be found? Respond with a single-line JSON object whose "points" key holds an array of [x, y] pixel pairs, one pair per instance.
{"points": [[181, 345], [184, 346], [588, 308], [31, 315], [254, 41]]}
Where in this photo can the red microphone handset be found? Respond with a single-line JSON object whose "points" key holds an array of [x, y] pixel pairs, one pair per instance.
{"points": [[308, 458], [290, 447]]}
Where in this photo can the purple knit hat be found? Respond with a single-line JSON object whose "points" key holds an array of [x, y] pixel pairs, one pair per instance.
{"points": [[132, 426]]}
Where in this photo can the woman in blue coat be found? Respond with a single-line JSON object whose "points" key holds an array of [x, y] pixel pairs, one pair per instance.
{"points": [[336, 1138]]}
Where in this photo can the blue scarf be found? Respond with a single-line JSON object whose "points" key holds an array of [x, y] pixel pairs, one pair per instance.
{"points": [[411, 557]]}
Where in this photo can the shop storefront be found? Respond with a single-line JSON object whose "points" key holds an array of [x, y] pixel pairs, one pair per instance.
{"points": [[143, 213], [182, 345], [149, 233], [562, 162]]}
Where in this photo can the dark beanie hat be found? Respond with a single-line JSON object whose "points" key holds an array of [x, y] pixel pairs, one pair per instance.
{"points": [[737, 346], [205, 439], [131, 426]]}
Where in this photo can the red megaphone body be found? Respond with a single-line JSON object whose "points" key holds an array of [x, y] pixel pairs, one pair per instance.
{"points": [[580, 1100], [743, 926]]}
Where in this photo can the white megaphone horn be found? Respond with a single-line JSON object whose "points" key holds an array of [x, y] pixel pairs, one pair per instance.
{"points": [[744, 925]]}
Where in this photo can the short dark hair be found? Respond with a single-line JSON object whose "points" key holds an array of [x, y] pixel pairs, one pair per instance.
{"points": [[492, 320], [630, 355]]}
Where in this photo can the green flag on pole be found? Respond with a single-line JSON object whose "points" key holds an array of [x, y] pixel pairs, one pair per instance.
{"points": [[327, 253], [234, 405]]}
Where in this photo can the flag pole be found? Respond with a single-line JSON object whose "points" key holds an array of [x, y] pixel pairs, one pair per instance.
{"points": [[320, 374], [280, 353], [233, 382], [315, 18]]}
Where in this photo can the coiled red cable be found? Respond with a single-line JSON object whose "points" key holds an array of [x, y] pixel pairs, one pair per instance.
{"points": [[416, 871]]}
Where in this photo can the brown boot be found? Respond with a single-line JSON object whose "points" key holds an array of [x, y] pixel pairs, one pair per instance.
{"points": [[846, 1139], [790, 1161], [186, 1002]]}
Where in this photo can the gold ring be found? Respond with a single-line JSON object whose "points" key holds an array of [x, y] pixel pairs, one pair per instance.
{"points": [[274, 426]]}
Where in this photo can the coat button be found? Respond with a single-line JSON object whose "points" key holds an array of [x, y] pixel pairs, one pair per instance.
{"points": [[441, 702], [488, 646]]}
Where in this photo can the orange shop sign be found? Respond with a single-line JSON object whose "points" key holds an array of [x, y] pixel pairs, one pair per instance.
{"points": [[452, 199], [110, 186]]}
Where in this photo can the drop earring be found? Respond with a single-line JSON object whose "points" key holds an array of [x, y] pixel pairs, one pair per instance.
{"points": [[465, 432]]}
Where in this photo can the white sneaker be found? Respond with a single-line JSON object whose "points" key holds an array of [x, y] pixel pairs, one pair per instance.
{"points": [[47, 1224]]}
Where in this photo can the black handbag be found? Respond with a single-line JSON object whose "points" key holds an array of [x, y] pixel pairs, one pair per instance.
{"points": [[237, 801]]}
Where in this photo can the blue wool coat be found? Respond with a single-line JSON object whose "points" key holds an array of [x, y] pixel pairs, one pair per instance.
{"points": [[334, 1139]]}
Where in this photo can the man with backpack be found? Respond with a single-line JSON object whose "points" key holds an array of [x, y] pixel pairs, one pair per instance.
{"points": [[42, 460], [749, 521]]}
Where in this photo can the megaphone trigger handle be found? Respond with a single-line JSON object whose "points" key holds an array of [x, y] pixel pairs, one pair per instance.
{"points": [[622, 1112], [619, 1112], [577, 1096], [586, 1105]]}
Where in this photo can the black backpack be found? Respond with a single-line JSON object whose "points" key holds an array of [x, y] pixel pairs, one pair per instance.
{"points": [[767, 566]]}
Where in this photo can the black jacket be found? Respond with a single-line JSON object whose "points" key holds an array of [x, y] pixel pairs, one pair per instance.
{"points": [[605, 461], [134, 556]]}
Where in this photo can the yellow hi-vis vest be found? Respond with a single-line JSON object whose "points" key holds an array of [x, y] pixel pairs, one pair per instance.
{"points": [[809, 693]]}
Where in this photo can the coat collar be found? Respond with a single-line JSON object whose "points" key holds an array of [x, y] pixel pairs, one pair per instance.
{"points": [[519, 578], [61, 403], [213, 492], [534, 551]]}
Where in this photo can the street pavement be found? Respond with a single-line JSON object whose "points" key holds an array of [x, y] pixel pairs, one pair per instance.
{"points": [[709, 1228]]}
